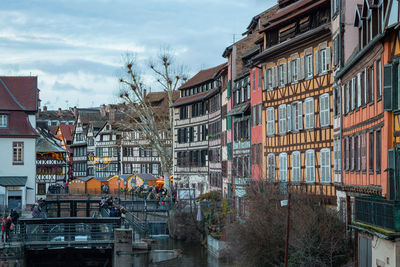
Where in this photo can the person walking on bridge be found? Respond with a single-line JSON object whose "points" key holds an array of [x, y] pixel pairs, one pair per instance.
{"points": [[3, 227]]}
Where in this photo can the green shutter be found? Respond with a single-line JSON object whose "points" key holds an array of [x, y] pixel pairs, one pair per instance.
{"points": [[229, 145], [229, 122], [391, 173], [229, 89], [388, 82]]}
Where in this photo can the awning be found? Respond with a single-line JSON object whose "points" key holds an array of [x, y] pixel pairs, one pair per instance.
{"points": [[13, 180], [239, 109]]}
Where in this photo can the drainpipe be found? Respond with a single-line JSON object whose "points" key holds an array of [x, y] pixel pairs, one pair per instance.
{"points": [[340, 92]]}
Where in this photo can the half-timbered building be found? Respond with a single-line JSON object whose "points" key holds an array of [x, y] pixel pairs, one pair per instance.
{"points": [[191, 131], [297, 97], [370, 86], [51, 162]]}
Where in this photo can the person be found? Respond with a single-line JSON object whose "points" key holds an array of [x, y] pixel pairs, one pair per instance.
{"points": [[3, 227], [14, 217], [8, 227], [35, 210]]}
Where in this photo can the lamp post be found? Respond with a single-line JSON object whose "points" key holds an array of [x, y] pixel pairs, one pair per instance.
{"points": [[284, 203]]}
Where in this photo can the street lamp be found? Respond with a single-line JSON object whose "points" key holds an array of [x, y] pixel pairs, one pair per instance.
{"points": [[287, 203]]}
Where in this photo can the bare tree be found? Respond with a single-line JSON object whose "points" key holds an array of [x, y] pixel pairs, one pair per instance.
{"points": [[155, 125]]}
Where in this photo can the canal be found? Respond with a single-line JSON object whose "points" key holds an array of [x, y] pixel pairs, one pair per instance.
{"points": [[191, 255]]}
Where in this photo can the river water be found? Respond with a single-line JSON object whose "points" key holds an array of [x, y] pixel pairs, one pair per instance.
{"points": [[192, 255]]}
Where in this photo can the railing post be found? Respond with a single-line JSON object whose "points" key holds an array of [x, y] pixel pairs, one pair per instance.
{"points": [[88, 207]]}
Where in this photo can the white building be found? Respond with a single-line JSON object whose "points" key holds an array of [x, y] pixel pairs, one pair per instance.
{"points": [[18, 105]]}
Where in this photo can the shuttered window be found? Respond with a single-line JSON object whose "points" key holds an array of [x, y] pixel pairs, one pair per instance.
{"points": [[324, 111], [359, 90], [325, 155], [289, 117], [270, 122], [259, 85], [363, 153], [308, 68], [271, 167], [353, 94], [283, 167], [282, 119], [378, 79], [378, 151], [309, 113], [352, 154], [296, 169], [253, 79], [371, 152], [259, 114], [310, 166]]}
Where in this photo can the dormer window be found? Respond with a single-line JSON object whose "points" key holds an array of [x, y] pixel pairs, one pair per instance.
{"points": [[3, 121]]}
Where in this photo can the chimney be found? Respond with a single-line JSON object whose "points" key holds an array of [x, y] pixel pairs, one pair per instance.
{"points": [[75, 113], [144, 92], [103, 110], [44, 109], [59, 112]]}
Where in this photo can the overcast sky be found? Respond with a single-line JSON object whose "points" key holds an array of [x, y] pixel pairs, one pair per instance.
{"points": [[76, 47]]}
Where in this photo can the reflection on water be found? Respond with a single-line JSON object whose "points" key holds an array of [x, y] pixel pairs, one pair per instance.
{"points": [[192, 255]]}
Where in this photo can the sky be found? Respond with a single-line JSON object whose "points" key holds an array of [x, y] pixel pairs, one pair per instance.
{"points": [[76, 48]]}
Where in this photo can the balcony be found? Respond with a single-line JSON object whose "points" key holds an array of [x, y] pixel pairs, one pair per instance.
{"points": [[378, 214]]}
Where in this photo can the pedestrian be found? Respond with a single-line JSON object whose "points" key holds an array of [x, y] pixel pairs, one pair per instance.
{"points": [[3, 227], [14, 217], [8, 227], [35, 210]]}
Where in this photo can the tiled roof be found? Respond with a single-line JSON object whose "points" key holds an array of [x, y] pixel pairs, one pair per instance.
{"points": [[43, 145], [18, 125], [203, 76], [146, 176], [18, 93], [66, 131], [194, 98]]}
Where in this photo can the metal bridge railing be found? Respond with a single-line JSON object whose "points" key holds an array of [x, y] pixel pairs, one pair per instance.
{"points": [[64, 232]]}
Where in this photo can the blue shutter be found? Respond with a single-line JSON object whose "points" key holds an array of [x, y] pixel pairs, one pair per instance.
{"points": [[388, 87], [229, 87]]}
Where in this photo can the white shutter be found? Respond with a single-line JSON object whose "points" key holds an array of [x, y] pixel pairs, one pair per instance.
{"points": [[265, 78], [298, 69], [328, 57], [300, 115], [275, 76], [316, 59], [289, 76], [284, 74], [302, 69], [289, 117], [312, 111], [365, 86], [294, 117]]}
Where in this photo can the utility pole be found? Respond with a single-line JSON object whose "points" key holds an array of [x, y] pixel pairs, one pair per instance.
{"points": [[287, 231]]}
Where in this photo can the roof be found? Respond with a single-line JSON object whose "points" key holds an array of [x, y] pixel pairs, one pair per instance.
{"points": [[203, 76], [146, 176], [18, 125], [58, 115], [283, 15], [195, 98], [13, 180], [85, 178], [18, 93], [66, 131], [239, 109], [43, 145]]}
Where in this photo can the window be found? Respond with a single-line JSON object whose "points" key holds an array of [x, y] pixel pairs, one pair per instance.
{"points": [[378, 79], [324, 111], [309, 113], [282, 74], [270, 122], [371, 152], [363, 153], [309, 66], [268, 79], [348, 98], [41, 189], [323, 60], [259, 79], [295, 64], [310, 166], [259, 114], [337, 154], [352, 154], [283, 167], [18, 153], [254, 115], [353, 94], [345, 154], [253, 76], [325, 155], [282, 119], [370, 85], [3, 121], [378, 151], [357, 155], [297, 116], [335, 7], [271, 167], [296, 169]]}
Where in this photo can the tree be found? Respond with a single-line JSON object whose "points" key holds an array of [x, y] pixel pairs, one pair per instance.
{"points": [[154, 125], [317, 236]]}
